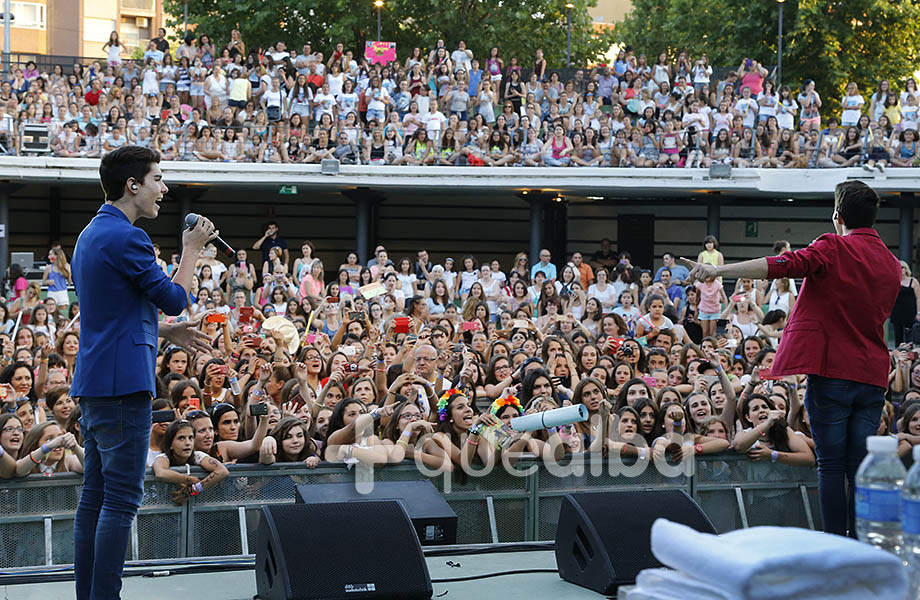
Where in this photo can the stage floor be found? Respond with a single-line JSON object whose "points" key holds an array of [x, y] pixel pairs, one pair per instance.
{"points": [[241, 585]]}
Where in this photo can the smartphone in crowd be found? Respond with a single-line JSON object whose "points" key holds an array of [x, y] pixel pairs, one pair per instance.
{"points": [[166, 415], [246, 313], [216, 318], [194, 403], [258, 410], [357, 315]]}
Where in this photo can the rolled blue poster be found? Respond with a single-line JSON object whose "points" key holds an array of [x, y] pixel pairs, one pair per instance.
{"points": [[551, 418]]}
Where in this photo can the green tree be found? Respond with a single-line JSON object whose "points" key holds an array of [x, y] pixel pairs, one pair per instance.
{"points": [[518, 27], [832, 42]]}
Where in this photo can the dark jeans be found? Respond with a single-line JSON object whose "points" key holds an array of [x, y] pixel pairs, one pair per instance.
{"points": [[116, 434], [842, 414]]}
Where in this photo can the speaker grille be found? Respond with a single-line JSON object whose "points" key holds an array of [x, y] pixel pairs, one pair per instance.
{"points": [[351, 550], [623, 522]]}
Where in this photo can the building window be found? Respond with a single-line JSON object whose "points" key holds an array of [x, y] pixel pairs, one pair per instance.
{"points": [[141, 5], [97, 30], [27, 15], [132, 35]]}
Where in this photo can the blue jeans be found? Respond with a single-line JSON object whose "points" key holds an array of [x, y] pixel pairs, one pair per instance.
{"points": [[116, 434], [842, 414]]}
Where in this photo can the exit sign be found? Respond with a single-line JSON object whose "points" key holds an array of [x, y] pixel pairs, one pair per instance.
{"points": [[750, 229], [287, 190]]}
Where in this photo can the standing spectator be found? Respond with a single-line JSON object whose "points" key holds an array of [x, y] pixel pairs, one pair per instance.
{"points": [[810, 101], [548, 268], [585, 273], [752, 75], [57, 277], [270, 240], [114, 49], [851, 104], [906, 310], [160, 41], [462, 57]]}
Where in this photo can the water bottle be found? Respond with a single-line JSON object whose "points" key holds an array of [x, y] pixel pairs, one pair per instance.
{"points": [[235, 386], [878, 495], [910, 521]]}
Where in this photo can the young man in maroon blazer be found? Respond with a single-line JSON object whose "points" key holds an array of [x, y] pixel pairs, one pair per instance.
{"points": [[836, 336]]}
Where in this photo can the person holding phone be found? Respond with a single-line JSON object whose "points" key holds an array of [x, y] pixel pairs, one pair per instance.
{"points": [[121, 288], [835, 336]]}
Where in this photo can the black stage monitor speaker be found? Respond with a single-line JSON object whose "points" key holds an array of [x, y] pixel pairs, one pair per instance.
{"points": [[603, 539], [434, 520], [354, 550]]}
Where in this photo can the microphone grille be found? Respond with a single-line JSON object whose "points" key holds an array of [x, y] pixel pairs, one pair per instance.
{"points": [[190, 220]]}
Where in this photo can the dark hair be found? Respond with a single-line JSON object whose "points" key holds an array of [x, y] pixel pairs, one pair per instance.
{"points": [[337, 420], [777, 433], [171, 431], [621, 397], [281, 430], [856, 203], [6, 376], [778, 245], [175, 396], [127, 162], [219, 411]]}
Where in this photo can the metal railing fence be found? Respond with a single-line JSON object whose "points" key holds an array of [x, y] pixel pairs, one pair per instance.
{"points": [[36, 513]]}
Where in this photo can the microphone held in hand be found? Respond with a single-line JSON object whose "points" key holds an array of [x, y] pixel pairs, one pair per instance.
{"points": [[191, 220]]}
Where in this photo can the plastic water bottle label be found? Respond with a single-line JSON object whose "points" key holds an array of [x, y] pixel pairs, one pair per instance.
{"points": [[878, 505], [910, 517]]}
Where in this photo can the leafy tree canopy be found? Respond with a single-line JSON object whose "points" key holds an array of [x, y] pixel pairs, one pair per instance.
{"points": [[517, 27], [832, 42]]}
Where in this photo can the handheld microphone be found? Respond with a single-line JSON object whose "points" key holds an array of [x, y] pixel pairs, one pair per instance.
{"points": [[191, 220]]}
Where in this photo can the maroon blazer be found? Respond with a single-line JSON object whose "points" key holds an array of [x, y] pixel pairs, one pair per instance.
{"points": [[837, 326]]}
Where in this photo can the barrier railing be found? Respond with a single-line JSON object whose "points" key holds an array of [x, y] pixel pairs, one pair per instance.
{"points": [[36, 513]]}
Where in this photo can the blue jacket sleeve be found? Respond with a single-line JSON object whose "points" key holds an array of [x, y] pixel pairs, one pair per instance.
{"points": [[140, 267]]}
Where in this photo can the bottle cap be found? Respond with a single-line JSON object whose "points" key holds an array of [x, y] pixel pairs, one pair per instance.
{"points": [[916, 454], [882, 443]]}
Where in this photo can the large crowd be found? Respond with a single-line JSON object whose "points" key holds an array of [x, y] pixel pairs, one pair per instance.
{"points": [[406, 359], [207, 100]]}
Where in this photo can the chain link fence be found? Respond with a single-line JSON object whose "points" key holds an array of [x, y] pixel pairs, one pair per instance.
{"points": [[36, 513]]}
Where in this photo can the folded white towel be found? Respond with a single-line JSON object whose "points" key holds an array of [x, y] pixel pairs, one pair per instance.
{"points": [[767, 563]]}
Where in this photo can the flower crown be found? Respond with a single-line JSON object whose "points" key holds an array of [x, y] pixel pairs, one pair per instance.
{"points": [[444, 400], [500, 403]]}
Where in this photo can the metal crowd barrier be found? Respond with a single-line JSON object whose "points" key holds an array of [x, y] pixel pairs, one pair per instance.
{"points": [[36, 513]]}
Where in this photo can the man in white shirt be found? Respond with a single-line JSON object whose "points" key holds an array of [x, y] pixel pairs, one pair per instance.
{"points": [[462, 57], [279, 53], [435, 120]]}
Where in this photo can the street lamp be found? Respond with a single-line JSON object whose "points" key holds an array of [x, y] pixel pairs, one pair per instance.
{"points": [[779, 46], [379, 5], [568, 21]]}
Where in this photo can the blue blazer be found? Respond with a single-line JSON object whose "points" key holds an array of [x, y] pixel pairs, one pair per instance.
{"points": [[120, 287]]}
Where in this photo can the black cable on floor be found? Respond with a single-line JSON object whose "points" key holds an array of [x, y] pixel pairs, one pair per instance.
{"points": [[496, 574]]}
